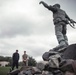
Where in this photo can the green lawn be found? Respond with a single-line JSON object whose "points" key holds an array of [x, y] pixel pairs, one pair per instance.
{"points": [[4, 70]]}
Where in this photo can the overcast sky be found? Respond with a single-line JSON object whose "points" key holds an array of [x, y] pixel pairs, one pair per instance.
{"points": [[26, 25]]}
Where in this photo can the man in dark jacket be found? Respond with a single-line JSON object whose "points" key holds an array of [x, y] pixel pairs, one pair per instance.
{"points": [[15, 59]]}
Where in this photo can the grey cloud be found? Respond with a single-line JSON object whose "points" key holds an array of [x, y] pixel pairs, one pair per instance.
{"points": [[36, 50], [18, 24], [11, 28]]}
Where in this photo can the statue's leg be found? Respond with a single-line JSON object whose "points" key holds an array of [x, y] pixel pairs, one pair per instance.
{"points": [[60, 37], [66, 39], [64, 34]]}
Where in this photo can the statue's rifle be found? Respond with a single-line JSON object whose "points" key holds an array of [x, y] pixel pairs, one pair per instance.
{"points": [[72, 24]]}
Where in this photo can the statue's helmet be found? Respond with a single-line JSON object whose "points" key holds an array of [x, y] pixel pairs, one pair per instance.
{"points": [[56, 5]]}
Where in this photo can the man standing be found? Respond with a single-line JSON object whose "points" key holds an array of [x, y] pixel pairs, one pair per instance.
{"points": [[25, 58], [60, 19], [15, 59]]}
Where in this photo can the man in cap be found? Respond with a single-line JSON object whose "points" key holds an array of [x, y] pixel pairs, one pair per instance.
{"points": [[25, 58], [60, 19]]}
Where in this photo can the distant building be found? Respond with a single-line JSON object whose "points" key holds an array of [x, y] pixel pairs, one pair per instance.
{"points": [[3, 63]]}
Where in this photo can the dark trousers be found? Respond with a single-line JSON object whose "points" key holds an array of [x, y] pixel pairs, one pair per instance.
{"points": [[15, 63]]}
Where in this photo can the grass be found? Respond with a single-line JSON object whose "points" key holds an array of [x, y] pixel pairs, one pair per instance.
{"points": [[4, 70]]}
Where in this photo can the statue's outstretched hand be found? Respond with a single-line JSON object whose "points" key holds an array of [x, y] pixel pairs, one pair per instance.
{"points": [[41, 2]]}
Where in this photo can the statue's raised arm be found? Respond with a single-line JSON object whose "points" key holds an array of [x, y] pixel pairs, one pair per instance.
{"points": [[50, 7]]}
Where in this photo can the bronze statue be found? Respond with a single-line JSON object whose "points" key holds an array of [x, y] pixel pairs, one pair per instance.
{"points": [[60, 19]]}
